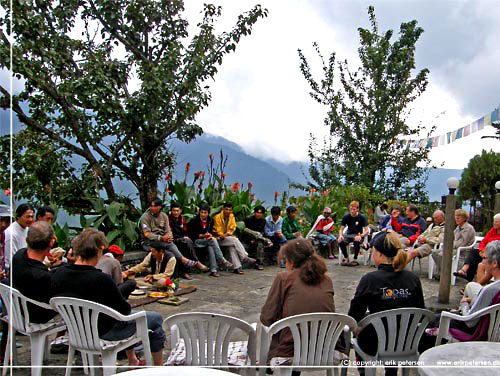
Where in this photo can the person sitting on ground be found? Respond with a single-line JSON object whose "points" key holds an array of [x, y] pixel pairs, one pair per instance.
{"points": [[29, 274], [380, 213], [389, 287], [157, 234], [322, 231], [200, 231], [45, 214], [385, 225], [303, 288], [83, 281], [180, 233], [273, 231], [434, 234], [254, 232], [473, 260], [411, 227], [159, 264], [290, 225], [464, 236], [15, 234], [357, 229], [224, 228], [109, 264]]}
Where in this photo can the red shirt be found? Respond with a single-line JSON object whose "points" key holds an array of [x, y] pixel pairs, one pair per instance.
{"points": [[322, 223], [490, 236]]}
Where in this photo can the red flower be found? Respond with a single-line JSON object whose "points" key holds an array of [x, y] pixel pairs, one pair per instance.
{"points": [[223, 175], [210, 156], [276, 194], [168, 282], [202, 173], [168, 177], [250, 185], [188, 165], [236, 186], [7, 192], [168, 191]]}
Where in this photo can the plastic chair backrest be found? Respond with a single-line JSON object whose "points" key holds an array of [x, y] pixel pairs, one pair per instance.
{"points": [[81, 318], [314, 336], [398, 330], [15, 303], [206, 336]]}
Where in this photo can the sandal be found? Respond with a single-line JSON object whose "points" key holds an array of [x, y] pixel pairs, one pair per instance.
{"points": [[345, 262], [354, 263], [460, 274], [141, 363], [202, 267]]}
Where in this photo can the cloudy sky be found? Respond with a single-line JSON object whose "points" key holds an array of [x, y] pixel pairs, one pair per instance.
{"points": [[261, 101]]}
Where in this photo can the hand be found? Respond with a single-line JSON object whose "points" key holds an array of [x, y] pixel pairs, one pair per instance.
{"points": [[466, 300], [357, 238], [148, 278], [297, 234], [384, 230], [186, 237], [278, 234], [2, 273], [227, 235], [341, 238], [124, 275], [208, 236]]}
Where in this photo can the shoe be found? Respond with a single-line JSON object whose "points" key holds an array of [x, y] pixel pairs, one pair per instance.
{"points": [[331, 257], [202, 267], [227, 264], [214, 274], [250, 260], [259, 267], [282, 264], [460, 274], [186, 276], [238, 271]]}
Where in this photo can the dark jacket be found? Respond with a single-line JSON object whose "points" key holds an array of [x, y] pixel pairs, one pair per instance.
{"points": [[195, 227], [33, 279], [255, 224], [178, 226], [89, 283], [410, 229], [386, 289]]}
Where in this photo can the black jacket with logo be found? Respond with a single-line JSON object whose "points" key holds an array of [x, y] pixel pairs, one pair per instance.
{"points": [[386, 289]]}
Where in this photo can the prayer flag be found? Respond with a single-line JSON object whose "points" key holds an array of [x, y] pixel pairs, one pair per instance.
{"points": [[480, 124], [448, 137], [459, 133], [494, 115], [473, 127], [487, 119], [454, 136], [442, 139], [435, 142], [429, 142], [467, 130]]}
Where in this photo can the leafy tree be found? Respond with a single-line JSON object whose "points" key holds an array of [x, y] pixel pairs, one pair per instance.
{"points": [[106, 84], [367, 115], [477, 183]]}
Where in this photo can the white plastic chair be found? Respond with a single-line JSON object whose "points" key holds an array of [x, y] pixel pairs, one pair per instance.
{"points": [[314, 338], [367, 253], [81, 318], [207, 337], [493, 328], [456, 258], [395, 344], [20, 322]]}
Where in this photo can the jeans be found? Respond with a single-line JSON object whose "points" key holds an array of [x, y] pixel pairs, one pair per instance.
{"points": [[324, 239], [214, 253], [236, 250], [125, 329]]}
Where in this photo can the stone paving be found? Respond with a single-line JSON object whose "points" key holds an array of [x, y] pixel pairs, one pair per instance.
{"points": [[242, 296]]}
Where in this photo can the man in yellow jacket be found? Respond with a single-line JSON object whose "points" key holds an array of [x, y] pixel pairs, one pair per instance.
{"points": [[224, 228]]}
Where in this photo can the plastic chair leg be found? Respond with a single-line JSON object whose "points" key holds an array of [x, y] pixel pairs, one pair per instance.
{"points": [[37, 342], [69, 363], [109, 363]]}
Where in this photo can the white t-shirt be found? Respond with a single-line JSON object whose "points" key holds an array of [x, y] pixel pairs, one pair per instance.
{"points": [[15, 237]]}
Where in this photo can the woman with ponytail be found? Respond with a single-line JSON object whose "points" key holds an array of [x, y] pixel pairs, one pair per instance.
{"points": [[303, 288], [389, 287]]}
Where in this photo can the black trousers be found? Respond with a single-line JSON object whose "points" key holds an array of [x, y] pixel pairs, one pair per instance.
{"points": [[473, 259], [126, 287], [186, 246], [349, 238]]}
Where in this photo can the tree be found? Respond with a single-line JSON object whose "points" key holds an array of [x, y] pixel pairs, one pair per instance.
{"points": [[367, 115], [477, 183], [106, 84]]}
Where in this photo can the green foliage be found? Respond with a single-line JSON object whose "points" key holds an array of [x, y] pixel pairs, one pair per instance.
{"points": [[337, 198], [368, 113], [477, 183], [107, 83]]}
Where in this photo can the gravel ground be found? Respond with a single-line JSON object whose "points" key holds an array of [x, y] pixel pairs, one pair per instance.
{"points": [[242, 297]]}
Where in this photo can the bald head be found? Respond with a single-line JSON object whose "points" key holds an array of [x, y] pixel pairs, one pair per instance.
{"points": [[438, 217], [40, 236]]}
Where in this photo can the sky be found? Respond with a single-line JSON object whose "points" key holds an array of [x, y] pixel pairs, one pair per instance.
{"points": [[261, 101]]}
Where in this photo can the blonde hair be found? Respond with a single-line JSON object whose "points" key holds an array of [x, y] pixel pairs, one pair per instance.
{"points": [[354, 204], [462, 213], [401, 259]]}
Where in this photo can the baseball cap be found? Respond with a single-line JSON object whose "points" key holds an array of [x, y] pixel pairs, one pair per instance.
{"points": [[114, 249], [5, 211]]}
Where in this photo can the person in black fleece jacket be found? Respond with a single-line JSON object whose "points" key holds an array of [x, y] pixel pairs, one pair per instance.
{"points": [[82, 280], [389, 287]]}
